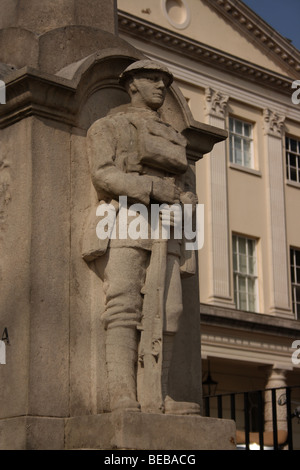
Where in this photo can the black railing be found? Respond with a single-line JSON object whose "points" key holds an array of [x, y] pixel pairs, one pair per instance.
{"points": [[252, 425]]}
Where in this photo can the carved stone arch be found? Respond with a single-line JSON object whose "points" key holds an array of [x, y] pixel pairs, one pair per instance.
{"points": [[95, 79]]}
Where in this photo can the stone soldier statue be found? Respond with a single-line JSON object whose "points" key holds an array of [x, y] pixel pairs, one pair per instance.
{"points": [[133, 153]]}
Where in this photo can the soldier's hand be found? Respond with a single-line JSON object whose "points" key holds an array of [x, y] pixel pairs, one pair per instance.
{"points": [[164, 190], [171, 216], [189, 198]]}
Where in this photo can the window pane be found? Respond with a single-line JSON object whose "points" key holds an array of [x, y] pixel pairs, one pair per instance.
{"points": [[242, 245], [242, 301], [293, 174], [293, 145], [288, 166], [238, 150], [243, 264], [251, 286], [247, 130], [297, 294], [247, 153], [251, 247], [235, 262], [252, 265], [242, 284], [234, 244], [231, 148], [236, 299], [240, 142], [292, 274], [293, 160], [238, 127], [252, 303], [295, 278], [245, 277]]}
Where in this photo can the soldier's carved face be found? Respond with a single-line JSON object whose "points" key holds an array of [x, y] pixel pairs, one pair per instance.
{"points": [[148, 89]]}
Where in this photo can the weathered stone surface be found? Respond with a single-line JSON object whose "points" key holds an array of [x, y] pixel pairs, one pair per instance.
{"points": [[13, 433], [15, 234], [32, 433], [118, 430], [143, 431], [51, 35], [40, 17]]}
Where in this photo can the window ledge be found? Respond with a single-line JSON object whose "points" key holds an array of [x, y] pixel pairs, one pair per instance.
{"points": [[294, 184], [245, 169]]}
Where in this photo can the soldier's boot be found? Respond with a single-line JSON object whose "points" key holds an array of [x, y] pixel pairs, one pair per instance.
{"points": [[121, 359], [171, 406]]}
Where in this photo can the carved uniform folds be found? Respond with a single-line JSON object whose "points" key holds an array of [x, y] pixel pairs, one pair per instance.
{"points": [[133, 153], [127, 152]]}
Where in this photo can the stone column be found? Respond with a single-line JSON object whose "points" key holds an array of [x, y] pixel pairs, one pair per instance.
{"points": [[217, 202], [275, 378], [39, 140], [277, 242]]}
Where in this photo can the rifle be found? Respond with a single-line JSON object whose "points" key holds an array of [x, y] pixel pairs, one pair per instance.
{"points": [[151, 342]]}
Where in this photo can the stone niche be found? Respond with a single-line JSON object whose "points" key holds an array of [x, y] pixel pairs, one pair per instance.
{"points": [[53, 389]]}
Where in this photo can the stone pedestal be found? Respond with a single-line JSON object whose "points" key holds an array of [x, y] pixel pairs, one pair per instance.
{"points": [[118, 430], [142, 431], [54, 380]]}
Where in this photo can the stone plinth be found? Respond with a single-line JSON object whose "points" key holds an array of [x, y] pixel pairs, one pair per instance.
{"points": [[118, 430], [142, 431]]}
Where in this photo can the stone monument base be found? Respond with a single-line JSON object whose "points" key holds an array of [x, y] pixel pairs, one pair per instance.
{"points": [[118, 430]]}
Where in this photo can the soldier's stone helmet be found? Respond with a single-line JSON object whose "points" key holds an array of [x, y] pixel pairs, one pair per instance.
{"points": [[145, 66]]}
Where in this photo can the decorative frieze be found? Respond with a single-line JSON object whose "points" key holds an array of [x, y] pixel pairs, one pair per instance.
{"points": [[246, 347], [201, 53]]}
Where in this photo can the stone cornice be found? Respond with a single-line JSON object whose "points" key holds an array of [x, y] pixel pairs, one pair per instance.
{"points": [[247, 321], [253, 26], [30, 92], [199, 52]]}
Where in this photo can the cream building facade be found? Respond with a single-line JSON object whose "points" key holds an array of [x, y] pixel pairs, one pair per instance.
{"points": [[237, 73]]}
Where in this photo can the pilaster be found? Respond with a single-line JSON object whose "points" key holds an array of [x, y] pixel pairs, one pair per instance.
{"points": [[217, 206], [277, 242]]}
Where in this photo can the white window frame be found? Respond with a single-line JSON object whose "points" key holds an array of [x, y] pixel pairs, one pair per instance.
{"points": [[233, 134], [296, 283], [288, 153], [247, 275]]}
